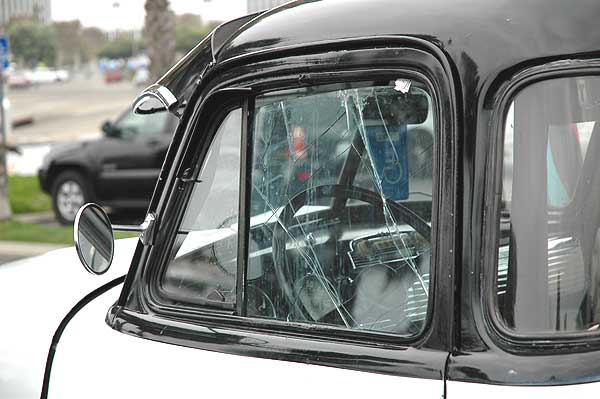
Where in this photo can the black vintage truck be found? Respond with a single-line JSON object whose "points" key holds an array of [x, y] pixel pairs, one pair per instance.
{"points": [[361, 198]]}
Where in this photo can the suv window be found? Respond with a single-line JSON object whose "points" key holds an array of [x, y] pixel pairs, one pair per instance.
{"points": [[203, 268], [132, 125], [549, 243], [341, 205]]}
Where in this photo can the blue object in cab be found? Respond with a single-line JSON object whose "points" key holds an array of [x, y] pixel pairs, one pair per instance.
{"points": [[387, 148]]}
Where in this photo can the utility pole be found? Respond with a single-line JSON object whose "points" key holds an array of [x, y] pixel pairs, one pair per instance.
{"points": [[5, 211]]}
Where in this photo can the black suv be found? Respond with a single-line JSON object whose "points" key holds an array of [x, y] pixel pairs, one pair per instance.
{"points": [[118, 170]]}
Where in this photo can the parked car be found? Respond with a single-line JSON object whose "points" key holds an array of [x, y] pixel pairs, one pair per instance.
{"points": [[118, 170], [141, 76], [447, 246], [113, 75], [18, 80], [43, 75]]}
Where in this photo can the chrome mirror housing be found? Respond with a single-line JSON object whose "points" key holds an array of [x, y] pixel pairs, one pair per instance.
{"points": [[94, 239], [155, 98]]}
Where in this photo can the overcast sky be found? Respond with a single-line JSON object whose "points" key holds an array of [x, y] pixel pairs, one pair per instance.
{"points": [[130, 13]]}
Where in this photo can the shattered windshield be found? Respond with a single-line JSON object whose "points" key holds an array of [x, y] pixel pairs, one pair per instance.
{"points": [[341, 203]]}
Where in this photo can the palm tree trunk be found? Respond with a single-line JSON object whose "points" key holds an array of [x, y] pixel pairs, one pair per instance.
{"points": [[160, 37]]}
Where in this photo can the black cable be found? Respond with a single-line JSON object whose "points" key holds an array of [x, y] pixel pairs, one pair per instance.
{"points": [[63, 324]]}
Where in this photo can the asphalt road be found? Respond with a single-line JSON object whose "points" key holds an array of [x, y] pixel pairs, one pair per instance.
{"points": [[69, 110], [72, 110]]}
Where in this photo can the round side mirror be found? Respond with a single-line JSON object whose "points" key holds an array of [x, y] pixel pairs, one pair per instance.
{"points": [[109, 129], [94, 239]]}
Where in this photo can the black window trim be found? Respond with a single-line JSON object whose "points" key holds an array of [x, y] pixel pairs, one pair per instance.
{"points": [[391, 53], [195, 313], [342, 78], [243, 220], [506, 338], [182, 196]]}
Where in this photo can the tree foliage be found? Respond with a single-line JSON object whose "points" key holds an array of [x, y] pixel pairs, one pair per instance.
{"points": [[92, 41], [121, 46], [189, 31], [77, 44], [32, 42], [69, 42]]}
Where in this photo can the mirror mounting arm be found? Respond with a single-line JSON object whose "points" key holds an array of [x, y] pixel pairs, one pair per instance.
{"points": [[147, 229]]}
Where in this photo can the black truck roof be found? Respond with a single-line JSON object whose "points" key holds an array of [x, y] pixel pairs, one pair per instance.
{"points": [[480, 39]]}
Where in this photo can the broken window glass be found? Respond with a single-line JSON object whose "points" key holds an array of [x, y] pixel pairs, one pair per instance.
{"points": [[341, 204]]}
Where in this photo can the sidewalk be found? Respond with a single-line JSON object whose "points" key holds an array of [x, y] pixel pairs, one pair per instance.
{"points": [[12, 250], [36, 217]]}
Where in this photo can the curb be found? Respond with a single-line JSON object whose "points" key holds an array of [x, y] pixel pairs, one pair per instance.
{"points": [[36, 217]]}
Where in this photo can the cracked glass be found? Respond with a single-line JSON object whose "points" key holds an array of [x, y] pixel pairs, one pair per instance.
{"points": [[341, 206]]}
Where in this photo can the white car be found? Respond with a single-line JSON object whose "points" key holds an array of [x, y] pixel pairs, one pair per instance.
{"points": [[141, 77], [24, 346], [47, 75]]}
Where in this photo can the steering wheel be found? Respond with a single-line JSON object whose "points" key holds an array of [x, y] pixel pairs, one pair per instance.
{"points": [[280, 231]]}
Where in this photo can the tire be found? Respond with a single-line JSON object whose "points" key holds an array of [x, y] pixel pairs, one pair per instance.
{"points": [[70, 191]]}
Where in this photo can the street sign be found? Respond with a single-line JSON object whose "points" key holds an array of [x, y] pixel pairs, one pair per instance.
{"points": [[4, 53], [4, 62]]}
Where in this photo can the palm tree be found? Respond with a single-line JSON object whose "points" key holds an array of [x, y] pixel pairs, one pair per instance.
{"points": [[160, 37]]}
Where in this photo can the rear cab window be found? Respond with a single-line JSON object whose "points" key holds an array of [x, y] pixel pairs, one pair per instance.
{"points": [[548, 268]]}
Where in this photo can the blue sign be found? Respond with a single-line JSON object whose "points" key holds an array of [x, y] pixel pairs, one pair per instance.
{"points": [[387, 145], [4, 53]]}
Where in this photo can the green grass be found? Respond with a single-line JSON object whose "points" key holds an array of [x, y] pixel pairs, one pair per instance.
{"points": [[43, 233], [26, 195], [46, 233]]}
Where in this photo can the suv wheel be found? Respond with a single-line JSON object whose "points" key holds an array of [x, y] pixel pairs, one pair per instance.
{"points": [[69, 193]]}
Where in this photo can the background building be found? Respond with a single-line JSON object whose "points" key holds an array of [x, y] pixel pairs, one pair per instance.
{"points": [[40, 9], [258, 5]]}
